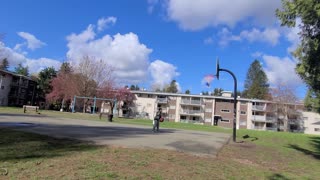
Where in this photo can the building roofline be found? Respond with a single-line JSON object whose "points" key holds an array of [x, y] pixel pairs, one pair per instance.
{"points": [[15, 74], [206, 96]]}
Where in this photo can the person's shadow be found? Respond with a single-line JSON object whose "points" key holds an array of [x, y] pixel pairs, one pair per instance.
{"points": [[252, 138]]}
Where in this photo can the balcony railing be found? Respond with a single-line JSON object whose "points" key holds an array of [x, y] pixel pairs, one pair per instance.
{"points": [[162, 100], [259, 118], [190, 112], [191, 102], [258, 108], [191, 121]]}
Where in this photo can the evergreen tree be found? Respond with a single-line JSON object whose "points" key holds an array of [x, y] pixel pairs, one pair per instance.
{"points": [[187, 91], [217, 92], [44, 81], [22, 70], [311, 102], [205, 93], [134, 88], [65, 68], [172, 88], [4, 64], [256, 83]]}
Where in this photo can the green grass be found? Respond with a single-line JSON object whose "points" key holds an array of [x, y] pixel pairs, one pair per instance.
{"points": [[29, 156], [261, 155]]}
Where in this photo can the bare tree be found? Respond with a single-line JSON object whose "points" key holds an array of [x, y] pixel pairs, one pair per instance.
{"points": [[284, 100], [93, 74]]}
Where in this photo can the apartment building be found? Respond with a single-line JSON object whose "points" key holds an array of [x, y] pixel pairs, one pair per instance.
{"points": [[218, 110], [311, 123], [16, 89]]}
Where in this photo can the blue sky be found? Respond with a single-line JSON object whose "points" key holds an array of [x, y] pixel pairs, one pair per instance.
{"points": [[151, 42]]}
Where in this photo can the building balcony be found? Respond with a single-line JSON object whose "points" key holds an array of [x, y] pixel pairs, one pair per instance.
{"points": [[258, 108], [271, 119], [191, 112], [258, 118], [162, 100], [191, 121], [191, 102]]}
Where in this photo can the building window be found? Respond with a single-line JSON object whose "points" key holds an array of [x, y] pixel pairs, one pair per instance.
{"points": [[225, 120], [149, 95], [243, 102], [225, 110], [243, 113], [2, 87], [172, 107], [209, 110], [317, 129]]}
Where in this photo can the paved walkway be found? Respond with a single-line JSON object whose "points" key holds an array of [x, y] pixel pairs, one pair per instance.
{"points": [[105, 133]]}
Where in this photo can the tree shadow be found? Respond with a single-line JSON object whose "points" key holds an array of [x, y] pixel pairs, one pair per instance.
{"points": [[16, 145], [277, 176], [21, 140], [315, 142]]}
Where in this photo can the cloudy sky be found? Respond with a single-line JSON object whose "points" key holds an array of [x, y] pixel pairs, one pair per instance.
{"points": [[153, 41]]}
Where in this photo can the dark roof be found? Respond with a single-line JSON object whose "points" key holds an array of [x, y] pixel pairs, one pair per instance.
{"points": [[15, 74]]}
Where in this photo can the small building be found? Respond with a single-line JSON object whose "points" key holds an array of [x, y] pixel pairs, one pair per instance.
{"points": [[16, 89]]}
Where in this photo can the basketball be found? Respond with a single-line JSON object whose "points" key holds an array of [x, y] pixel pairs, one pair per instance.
{"points": [[161, 119]]}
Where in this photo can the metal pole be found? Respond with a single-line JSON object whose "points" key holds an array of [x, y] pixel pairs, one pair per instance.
{"points": [[234, 103], [94, 105], [74, 103]]}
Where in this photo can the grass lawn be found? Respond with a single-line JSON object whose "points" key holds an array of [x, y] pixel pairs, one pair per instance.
{"points": [[261, 155]]}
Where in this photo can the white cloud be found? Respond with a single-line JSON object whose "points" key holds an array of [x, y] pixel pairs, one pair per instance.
{"points": [[32, 42], [163, 73], [208, 40], [226, 36], [292, 35], [268, 35], [104, 23], [123, 52], [34, 65], [196, 15], [151, 5], [256, 54], [281, 70]]}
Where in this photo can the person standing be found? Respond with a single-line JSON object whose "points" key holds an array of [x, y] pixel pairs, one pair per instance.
{"points": [[156, 120]]}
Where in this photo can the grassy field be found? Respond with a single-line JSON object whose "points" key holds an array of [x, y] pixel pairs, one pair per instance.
{"points": [[257, 155]]}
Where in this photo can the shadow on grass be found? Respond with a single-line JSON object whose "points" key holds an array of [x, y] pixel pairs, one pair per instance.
{"points": [[315, 142], [248, 137], [277, 176], [16, 145]]}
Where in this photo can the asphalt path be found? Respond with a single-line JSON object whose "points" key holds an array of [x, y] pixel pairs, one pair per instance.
{"points": [[110, 133]]}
